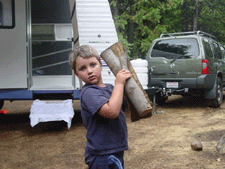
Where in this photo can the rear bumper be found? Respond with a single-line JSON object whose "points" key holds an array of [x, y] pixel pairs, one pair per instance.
{"points": [[25, 94], [205, 81]]}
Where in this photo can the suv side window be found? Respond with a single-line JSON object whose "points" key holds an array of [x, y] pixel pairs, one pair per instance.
{"points": [[223, 52], [207, 48], [217, 51]]}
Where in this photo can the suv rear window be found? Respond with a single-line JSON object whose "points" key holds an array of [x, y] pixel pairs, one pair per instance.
{"points": [[176, 48]]}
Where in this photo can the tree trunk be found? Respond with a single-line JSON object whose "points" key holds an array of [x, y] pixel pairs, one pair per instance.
{"points": [[130, 30], [195, 24], [185, 16], [117, 59]]}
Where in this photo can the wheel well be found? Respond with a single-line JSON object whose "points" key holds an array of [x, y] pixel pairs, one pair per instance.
{"points": [[1, 104], [220, 76]]}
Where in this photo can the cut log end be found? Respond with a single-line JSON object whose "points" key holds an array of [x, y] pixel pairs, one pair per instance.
{"points": [[147, 112]]}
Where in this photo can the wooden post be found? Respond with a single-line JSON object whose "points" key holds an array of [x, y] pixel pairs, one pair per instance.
{"points": [[117, 59]]}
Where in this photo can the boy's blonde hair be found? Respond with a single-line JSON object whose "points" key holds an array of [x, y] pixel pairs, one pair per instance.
{"points": [[84, 51]]}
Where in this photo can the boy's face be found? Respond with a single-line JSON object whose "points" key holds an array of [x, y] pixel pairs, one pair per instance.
{"points": [[89, 70]]}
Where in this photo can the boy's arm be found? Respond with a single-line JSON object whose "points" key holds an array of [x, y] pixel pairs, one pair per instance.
{"points": [[112, 108]]}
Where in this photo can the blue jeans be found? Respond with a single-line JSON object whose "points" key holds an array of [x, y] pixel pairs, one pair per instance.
{"points": [[110, 161]]}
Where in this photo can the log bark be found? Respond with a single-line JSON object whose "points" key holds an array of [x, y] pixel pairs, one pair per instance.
{"points": [[116, 58]]}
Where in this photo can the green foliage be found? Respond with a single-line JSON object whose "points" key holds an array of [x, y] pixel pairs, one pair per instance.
{"points": [[211, 18], [125, 43], [139, 22]]}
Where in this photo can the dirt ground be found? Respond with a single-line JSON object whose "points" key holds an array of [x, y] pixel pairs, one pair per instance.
{"points": [[159, 142]]}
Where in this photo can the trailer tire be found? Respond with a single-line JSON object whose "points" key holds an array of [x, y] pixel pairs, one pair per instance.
{"points": [[1, 104], [217, 101]]}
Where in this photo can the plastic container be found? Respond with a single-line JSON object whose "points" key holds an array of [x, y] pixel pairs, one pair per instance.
{"points": [[141, 68]]}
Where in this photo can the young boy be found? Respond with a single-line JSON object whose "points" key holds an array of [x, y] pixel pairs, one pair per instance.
{"points": [[102, 107]]}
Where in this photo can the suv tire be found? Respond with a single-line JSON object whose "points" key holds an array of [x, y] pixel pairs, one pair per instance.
{"points": [[216, 102]]}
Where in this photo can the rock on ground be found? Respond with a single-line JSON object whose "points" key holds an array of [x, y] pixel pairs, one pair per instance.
{"points": [[197, 146]]}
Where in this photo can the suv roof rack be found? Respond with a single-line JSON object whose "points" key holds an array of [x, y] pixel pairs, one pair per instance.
{"points": [[199, 33]]}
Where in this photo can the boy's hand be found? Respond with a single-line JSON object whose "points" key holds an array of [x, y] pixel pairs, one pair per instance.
{"points": [[122, 76], [112, 108]]}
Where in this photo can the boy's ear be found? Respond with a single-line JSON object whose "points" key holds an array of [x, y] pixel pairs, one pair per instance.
{"points": [[101, 64]]}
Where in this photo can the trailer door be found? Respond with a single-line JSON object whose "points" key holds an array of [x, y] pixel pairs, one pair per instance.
{"points": [[13, 44], [51, 31]]}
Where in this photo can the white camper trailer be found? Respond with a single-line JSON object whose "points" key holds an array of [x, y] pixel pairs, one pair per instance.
{"points": [[36, 37]]}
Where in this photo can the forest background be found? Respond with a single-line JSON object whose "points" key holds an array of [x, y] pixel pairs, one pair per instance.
{"points": [[139, 22]]}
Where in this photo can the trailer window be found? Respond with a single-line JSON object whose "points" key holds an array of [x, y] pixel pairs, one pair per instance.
{"points": [[7, 14]]}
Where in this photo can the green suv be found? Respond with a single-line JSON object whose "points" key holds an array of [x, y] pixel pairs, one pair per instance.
{"points": [[187, 63]]}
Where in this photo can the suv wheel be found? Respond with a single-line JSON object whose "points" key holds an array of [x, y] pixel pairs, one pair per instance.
{"points": [[216, 102], [1, 104]]}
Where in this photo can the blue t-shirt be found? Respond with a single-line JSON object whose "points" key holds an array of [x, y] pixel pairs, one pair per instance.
{"points": [[104, 136]]}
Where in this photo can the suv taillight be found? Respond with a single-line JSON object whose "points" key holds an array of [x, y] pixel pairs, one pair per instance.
{"points": [[205, 67]]}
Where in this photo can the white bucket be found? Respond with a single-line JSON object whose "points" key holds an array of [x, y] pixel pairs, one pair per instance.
{"points": [[141, 68]]}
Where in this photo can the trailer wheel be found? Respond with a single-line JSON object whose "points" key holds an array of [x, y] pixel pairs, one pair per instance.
{"points": [[217, 101], [1, 104]]}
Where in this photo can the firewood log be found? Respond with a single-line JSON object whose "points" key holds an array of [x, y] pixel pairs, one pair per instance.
{"points": [[116, 58]]}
